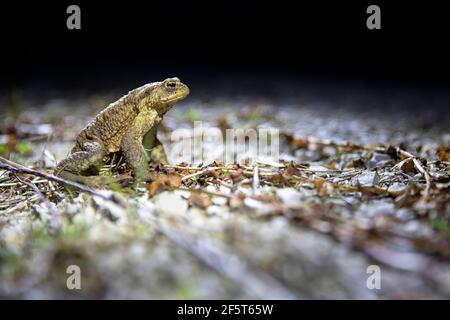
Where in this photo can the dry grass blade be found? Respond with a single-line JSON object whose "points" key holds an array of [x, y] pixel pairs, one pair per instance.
{"points": [[426, 194]]}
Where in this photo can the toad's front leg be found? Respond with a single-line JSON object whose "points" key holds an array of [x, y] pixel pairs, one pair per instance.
{"points": [[131, 145], [154, 147]]}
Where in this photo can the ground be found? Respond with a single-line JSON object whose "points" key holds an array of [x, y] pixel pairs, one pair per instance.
{"points": [[362, 180]]}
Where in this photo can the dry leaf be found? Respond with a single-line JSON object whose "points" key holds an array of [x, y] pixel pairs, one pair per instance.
{"points": [[291, 170], [298, 143], [164, 182], [443, 153], [407, 165], [199, 200]]}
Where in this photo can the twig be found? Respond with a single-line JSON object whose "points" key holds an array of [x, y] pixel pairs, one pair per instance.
{"points": [[17, 168], [428, 181], [200, 173], [9, 184], [11, 163], [182, 168]]}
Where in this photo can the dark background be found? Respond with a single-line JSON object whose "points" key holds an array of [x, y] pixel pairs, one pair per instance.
{"points": [[208, 39]]}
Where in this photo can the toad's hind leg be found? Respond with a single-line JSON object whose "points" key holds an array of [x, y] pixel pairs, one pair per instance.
{"points": [[87, 160]]}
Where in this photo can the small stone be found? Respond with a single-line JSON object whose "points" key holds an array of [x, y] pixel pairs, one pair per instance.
{"points": [[396, 187], [366, 179], [170, 203], [378, 159], [289, 196]]}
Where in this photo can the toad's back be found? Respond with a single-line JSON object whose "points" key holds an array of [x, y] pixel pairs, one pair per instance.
{"points": [[110, 125]]}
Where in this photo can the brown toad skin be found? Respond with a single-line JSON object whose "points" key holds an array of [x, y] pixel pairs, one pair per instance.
{"points": [[122, 127]]}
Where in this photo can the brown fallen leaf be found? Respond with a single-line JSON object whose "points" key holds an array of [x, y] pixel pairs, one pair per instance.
{"points": [[292, 170], [406, 165], [318, 183], [392, 152], [11, 143], [443, 153], [199, 200], [237, 176], [298, 143], [373, 190], [164, 182], [357, 163]]}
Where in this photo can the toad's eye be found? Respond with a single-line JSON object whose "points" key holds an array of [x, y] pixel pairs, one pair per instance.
{"points": [[171, 84]]}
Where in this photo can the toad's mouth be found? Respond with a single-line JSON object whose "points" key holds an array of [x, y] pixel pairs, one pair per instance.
{"points": [[176, 98]]}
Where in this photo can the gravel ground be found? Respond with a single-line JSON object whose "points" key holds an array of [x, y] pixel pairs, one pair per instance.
{"points": [[163, 247]]}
